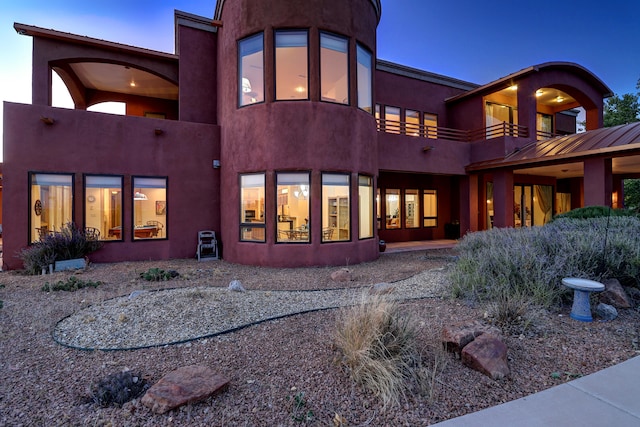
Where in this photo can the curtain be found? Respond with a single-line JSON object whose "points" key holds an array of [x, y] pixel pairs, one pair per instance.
{"points": [[544, 197]]}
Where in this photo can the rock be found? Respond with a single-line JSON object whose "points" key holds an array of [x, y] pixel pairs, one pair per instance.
{"points": [[634, 293], [136, 294], [614, 294], [455, 338], [381, 289], [606, 311], [236, 286], [487, 354], [184, 385], [342, 275]]}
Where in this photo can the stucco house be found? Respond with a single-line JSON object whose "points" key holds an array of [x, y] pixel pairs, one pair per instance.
{"points": [[275, 125]]}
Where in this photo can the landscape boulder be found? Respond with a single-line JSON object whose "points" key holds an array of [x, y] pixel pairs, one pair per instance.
{"points": [[236, 286], [487, 354], [455, 338], [342, 275], [382, 289], [614, 294], [606, 311], [185, 385]]}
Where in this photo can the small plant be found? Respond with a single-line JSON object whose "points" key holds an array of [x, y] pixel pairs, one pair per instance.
{"points": [[1, 303], [118, 388], [71, 284], [159, 275], [299, 411]]}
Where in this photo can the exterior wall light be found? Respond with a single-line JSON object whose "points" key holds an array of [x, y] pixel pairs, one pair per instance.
{"points": [[47, 120], [216, 164]]}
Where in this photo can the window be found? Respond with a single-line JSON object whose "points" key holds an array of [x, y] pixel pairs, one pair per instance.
{"points": [[430, 202], [51, 203], [335, 206], [430, 122], [103, 205], [412, 209], [291, 65], [365, 206], [378, 210], [293, 207], [392, 208], [498, 116], [252, 226], [149, 208], [251, 70], [392, 119], [334, 68], [544, 125], [365, 98], [412, 119]]}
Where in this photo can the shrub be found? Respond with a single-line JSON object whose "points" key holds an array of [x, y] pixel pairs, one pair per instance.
{"points": [[506, 264], [71, 284], [159, 275], [594, 212], [118, 388], [378, 347], [68, 243]]}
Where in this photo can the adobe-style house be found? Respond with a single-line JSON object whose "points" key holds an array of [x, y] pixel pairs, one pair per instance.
{"points": [[275, 125]]}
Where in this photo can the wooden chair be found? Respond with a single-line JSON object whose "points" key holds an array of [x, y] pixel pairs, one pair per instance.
{"points": [[207, 245], [327, 234], [91, 233], [158, 225]]}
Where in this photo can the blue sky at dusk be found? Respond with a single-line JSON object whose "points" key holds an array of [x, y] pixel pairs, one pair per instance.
{"points": [[466, 39]]}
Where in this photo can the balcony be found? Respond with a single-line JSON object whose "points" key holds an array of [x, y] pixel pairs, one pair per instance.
{"points": [[437, 132]]}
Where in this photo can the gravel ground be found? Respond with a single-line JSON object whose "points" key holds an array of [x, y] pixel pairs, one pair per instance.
{"points": [[43, 383]]}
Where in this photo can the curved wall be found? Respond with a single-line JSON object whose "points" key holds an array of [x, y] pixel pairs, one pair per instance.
{"points": [[307, 135]]}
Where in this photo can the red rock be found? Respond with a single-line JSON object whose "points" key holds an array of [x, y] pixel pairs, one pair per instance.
{"points": [[614, 294], [455, 338], [487, 354], [342, 275], [184, 385]]}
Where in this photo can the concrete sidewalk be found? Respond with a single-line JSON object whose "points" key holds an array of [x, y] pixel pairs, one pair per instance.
{"points": [[610, 397]]}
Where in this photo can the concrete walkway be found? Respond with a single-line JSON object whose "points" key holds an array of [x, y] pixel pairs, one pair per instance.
{"points": [[610, 397]]}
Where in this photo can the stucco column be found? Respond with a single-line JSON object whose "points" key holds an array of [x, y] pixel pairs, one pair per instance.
{"points": [[41, 75], [527, 108], [503, 199], [598, 182], [468, 204]]}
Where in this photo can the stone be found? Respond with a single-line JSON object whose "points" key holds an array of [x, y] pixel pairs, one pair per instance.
{"points": [[455, 338], [70, 264], [487, 354], [606, 311], [614, 294], [236, 286], [634, 293], [342, 275], [381, 289], [185, 385]]}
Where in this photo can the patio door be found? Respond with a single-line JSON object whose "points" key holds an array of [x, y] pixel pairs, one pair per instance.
{"points": [[522, 205]]}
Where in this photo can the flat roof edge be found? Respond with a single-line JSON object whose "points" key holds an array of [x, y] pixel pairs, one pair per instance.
{"points": [[414, 73]]}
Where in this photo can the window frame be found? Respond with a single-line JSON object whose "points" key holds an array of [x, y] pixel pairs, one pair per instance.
{"points": [[417, 209], [244, 226], [372, 209], [133, 215], [85, 200], [31, 206], [362, 48], [348, 63], [278, 215], [275, 62], [350, 199], [388, 216], [426, 218]]}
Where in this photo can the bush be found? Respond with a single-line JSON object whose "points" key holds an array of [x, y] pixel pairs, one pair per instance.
{"points": [[378, 347], [159, 275], [118, 389], [68, 243], [71, 284], [529, 263], [594, 212]]}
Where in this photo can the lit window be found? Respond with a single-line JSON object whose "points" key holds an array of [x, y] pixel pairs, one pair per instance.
{"points": [[252, 225], [392, 119], [251, 70], [412, 119], [334, 68], [430, 201], [335, 207], [291, 65], [293, 194], [103, 206], [365, 206], [430, 122], [392, 208], [412, 208], [378, 210], [51, 203], [149, 208], [365, 98]]}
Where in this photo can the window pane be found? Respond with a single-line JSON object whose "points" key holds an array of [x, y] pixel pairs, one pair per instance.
{"points": [[392, 207], [430, 122], [430, 201], [252, 226], [378, 210], [412, 118], [334, 68], [293, 207], [335, 206], [291, 65], [365, 205], [412, 208], [365, 99], [149, 209], [51, 203], [392, 119], [103, 206], [251, 70]]}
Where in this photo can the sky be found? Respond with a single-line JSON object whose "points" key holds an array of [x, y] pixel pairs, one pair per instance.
{"points": [[471, 40]]}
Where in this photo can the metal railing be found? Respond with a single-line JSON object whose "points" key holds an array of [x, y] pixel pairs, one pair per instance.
{"points": [[436, 132]]}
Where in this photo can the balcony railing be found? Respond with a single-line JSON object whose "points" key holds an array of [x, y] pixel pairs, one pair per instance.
{"points": [[436, 132]]}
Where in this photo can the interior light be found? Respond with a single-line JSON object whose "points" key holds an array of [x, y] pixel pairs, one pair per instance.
{"points": [[140, 196], [559, 99], [246, 85], [132, 83], [514, 87], [539, 92], [300, 89]]}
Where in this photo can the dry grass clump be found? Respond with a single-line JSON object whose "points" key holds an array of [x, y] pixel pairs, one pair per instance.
{"points": [[379, 348]]}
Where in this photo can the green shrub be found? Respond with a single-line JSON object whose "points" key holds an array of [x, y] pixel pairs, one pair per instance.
{"points": [[159, 275], [506, 263], [68, 243], [594, 212], [71, 284]]}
